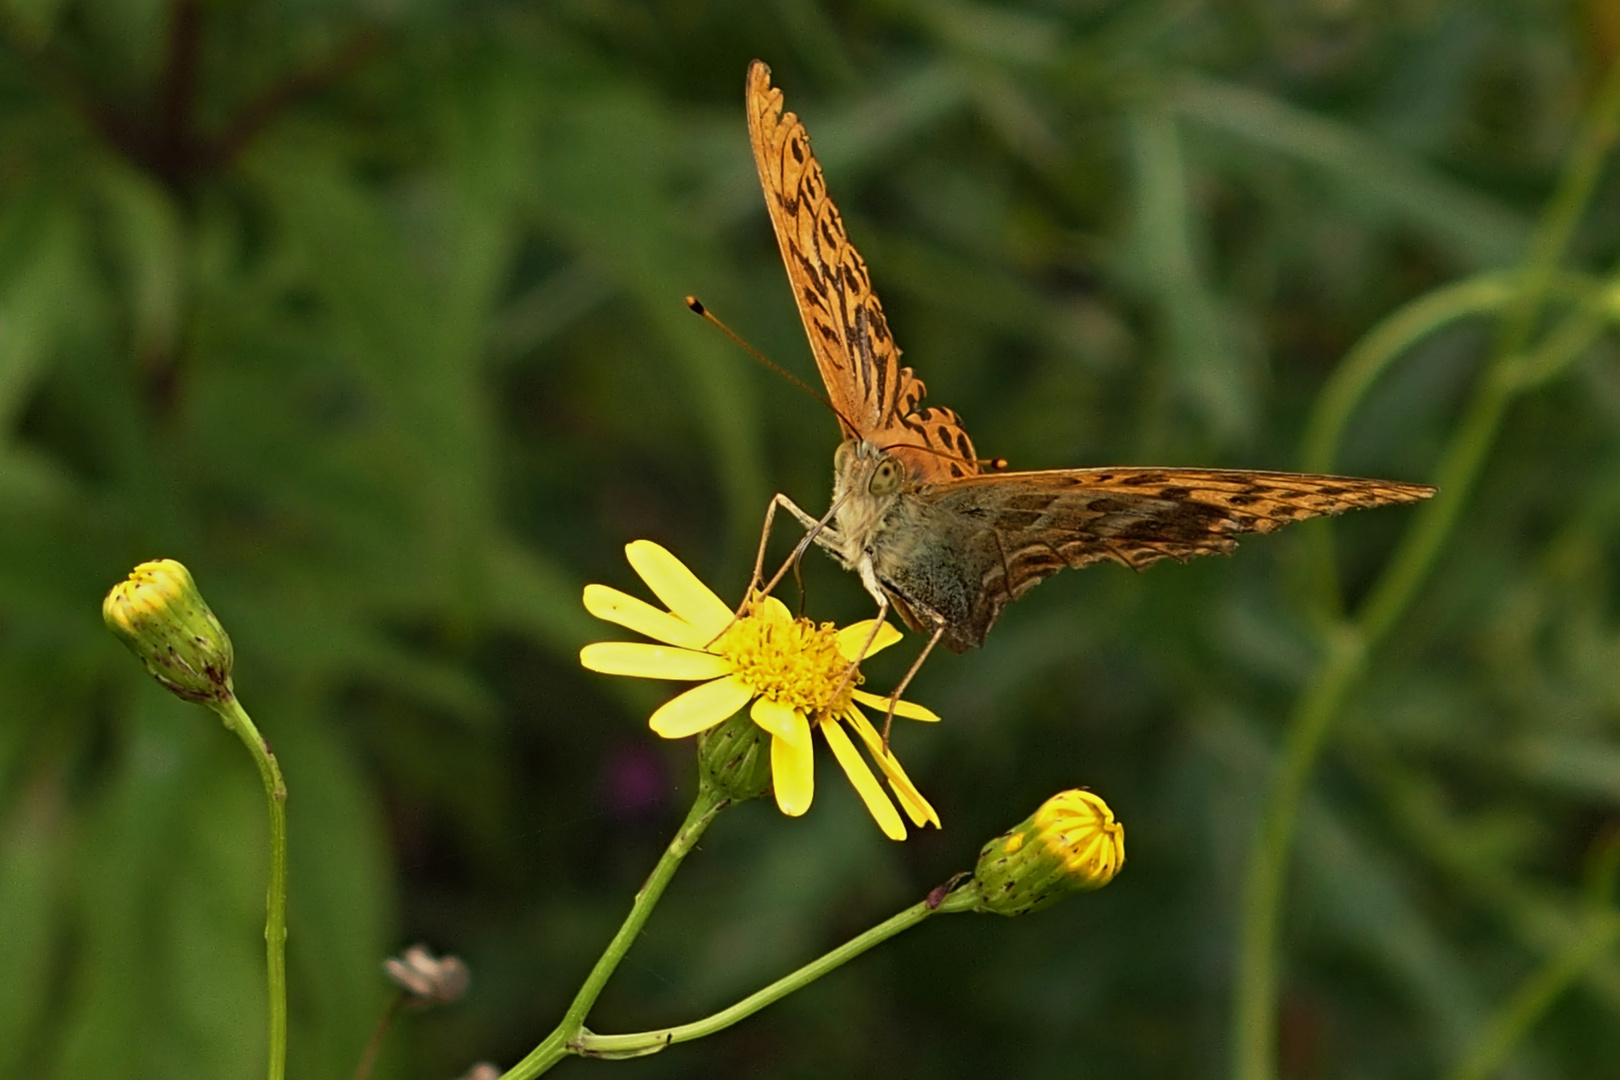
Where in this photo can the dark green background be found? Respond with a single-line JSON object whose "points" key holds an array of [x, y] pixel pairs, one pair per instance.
{"points": [[371, 314]]}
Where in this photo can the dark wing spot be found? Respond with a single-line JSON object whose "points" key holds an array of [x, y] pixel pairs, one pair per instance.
{"points": [[880, 325], [1017, 519]]}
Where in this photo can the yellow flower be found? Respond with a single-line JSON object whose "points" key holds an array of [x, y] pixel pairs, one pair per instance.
{"points": [[1071, 844], [791, 669]]}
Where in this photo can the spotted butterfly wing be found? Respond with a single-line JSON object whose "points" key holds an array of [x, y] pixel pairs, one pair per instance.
{"points": [[1006, 532], [877, 399]]}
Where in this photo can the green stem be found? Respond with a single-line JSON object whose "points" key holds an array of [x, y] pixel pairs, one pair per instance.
{"points": [[1254, 1019], [368, 1056], [1256, 975], [1538, 993], [1455, 475], [650, 1042], [1362, 366], [1394, 337], [275, 925], [563, 1039], [1593, 142], [1532, 1000]]}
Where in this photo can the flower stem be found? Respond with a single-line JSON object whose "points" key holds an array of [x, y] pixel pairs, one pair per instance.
{"points": [[1256, 975], [1535, 997], [641, 1043], [1362, 366], [1584, 949], [565, 1038], [1255, 989], [368, 1056], [1396, 336], [275, 925]]}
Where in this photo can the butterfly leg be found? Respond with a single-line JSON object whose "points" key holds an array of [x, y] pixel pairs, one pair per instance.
{"points": [[916, 666], [855, 665], [817, 530]]}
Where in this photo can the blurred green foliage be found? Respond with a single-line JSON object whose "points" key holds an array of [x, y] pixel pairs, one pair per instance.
{"points": [[371, 313]]}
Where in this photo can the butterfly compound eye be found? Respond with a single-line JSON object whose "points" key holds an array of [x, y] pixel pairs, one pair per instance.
{"points": [[885, 478]]}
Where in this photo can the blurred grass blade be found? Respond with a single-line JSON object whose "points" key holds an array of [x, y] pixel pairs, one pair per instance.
{"points": [[1479, 232], [38, 296], [31, 912], [1206, 372]]}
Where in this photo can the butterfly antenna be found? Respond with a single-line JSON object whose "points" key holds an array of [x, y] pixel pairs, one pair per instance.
{"points": [[697, 308], [994, 463]]}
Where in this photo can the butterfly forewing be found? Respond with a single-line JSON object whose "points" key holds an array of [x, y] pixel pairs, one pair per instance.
{"points": [[877, 399]]}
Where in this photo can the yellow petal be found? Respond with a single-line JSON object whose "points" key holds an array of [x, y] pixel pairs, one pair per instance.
{"points": [[643, 618], [783, 721], [792, 757], [700, 708], [678, 588], [772, 608], [916, 807], [909, 710], [652, 661], [866, 785], [852, 637]]}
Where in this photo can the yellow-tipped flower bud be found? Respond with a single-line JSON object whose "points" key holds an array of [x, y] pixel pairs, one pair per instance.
{"points": [[735, 758], [1071, 844], [164, 620]]}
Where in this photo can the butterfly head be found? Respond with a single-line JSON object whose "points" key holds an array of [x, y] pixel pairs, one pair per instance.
{"points": [[869, 483], [862, 469]]}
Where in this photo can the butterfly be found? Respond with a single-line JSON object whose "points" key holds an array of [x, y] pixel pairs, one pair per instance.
{"points": [[930, 530]]}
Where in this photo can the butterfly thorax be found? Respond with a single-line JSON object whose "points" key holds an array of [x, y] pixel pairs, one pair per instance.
{"points": [[890, 531]]}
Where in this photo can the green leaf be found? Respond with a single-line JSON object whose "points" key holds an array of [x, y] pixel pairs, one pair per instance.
{"points": [[30, 910]]}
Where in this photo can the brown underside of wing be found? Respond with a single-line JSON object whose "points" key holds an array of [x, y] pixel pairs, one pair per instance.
{"points": [[1046, 521], [876, 398]]}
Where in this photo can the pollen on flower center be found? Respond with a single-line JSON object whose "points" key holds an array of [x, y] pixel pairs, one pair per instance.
{"points": [[795, 662]]}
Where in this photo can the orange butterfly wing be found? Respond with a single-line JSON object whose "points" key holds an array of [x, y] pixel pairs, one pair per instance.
{"points": [[876, 399]]}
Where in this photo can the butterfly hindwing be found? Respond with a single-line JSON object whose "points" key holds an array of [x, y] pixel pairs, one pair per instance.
{"points": [[1016, 529]]}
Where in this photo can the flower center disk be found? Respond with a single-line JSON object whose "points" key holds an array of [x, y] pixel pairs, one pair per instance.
{"points": [[794, 661]]}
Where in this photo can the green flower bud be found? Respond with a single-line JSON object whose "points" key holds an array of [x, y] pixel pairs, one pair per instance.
{"points": [[164, 620], [735, 758], [1071, 844]]}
